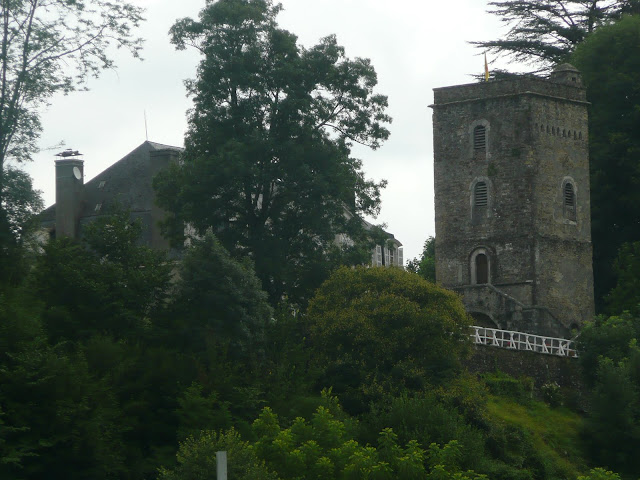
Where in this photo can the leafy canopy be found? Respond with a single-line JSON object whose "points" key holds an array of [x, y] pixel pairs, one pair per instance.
{"points": [[267, 160]]}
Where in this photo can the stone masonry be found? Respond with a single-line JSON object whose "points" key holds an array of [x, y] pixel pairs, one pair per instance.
{"points": [[513, 231]]}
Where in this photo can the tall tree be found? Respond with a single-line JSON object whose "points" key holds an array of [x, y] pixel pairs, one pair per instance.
{"points": [[545, 32], [267, 160], [48, 47]]}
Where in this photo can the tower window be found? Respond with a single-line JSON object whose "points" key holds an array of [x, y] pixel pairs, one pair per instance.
{"points": [[480, 194], [569, 201], [480, 138], [482, 269], [480, 266], [569, 197]]}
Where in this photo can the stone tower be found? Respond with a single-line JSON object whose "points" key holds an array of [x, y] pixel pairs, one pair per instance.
{"points": [[513, 229]]}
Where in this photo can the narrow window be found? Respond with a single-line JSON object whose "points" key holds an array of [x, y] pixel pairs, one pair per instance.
{"points": [[378, 256], [480, 138], [482, 269], [386, 257], [480, 194], [569, 201]]}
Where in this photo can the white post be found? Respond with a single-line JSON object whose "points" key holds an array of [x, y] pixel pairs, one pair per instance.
{"points": [[221, 465]]}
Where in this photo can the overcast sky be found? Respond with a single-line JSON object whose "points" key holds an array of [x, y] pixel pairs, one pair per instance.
{"points": [[414, 45]]}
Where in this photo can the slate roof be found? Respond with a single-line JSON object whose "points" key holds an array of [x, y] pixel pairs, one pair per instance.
{"points": [[128, 182]]}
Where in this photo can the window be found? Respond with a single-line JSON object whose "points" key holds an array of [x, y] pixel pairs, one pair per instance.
{"points": [[480, 195], [569, 201], [378, 262], [480, 266], [482, 269], [480, 138], [480, 200]]}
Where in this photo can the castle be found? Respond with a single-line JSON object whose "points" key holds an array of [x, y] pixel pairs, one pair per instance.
{"points": [[513, 229]]}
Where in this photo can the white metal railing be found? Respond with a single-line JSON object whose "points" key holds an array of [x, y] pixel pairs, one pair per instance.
{"points": [[523, 341]]}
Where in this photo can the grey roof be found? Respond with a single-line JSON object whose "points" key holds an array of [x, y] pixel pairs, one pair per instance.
{"points": [[128, 182], [565, 67]]}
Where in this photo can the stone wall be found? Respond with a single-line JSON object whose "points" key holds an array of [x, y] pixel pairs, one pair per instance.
{"points": [[566, 372]]}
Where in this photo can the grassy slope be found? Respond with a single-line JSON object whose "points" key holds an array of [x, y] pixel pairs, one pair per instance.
{"points": [[554, 432]]}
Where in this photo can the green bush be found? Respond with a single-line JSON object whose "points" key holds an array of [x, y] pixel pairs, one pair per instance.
{"points": [[383, 330]]}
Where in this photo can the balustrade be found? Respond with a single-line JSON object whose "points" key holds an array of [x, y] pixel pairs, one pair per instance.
{"points": [[523, 341]]}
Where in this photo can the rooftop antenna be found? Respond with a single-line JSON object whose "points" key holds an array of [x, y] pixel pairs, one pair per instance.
{"points": [[68, 153], [146, 132]]}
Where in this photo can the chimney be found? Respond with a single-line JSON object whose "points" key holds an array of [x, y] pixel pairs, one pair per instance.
{"points": [[159, 160], [69, 188]]}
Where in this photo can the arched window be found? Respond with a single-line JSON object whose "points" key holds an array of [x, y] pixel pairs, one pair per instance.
{"points": [[480, 138], [569, 201], [480, 266]]}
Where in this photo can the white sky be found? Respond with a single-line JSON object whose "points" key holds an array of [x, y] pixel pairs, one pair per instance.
{"points": [[414, 45]]}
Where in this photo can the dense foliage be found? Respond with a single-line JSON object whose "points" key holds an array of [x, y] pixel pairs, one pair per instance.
{"points": [[318, 449], [270, 133], [384, 330], [610, 65]]}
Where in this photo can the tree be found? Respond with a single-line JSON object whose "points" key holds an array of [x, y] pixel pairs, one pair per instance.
{"points": [[610, 358], [20, 203], [383, 329], [267, 160], [218, 301], [425, 264], [110, 285], [625, 296], [610, 65], [545, 32], [59, 420], [47, 47]]}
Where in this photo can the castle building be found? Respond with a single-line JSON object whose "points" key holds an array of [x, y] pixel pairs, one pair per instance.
{"points": [[513, 228]]}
